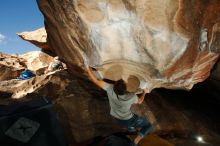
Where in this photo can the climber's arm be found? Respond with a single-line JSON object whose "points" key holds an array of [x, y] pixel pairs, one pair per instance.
{"points": [[99, 83], [141, 97]]}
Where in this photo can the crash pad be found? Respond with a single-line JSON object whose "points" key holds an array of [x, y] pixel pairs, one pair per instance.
{"points": [[153, 140]]}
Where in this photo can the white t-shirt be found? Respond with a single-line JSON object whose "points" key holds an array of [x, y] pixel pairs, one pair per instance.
{"points": [[121, 105]]}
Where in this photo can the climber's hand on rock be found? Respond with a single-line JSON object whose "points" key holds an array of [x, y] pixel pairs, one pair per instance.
{"points": [[146, 90]]}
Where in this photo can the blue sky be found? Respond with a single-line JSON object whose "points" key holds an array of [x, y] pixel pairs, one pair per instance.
{"points": [[18, 16]]}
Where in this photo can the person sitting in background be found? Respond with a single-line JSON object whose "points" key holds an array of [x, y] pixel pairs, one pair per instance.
{"points": [[26, 74], [120, 101], [56, 64]]}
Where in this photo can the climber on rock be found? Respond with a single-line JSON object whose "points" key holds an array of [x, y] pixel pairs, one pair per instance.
{"points": [[121, 100], [56, 64]]}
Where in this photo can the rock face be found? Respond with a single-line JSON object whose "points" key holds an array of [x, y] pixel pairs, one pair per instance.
{"points": [[171, 44], [37, 61], [10, 66], [37, 37]]}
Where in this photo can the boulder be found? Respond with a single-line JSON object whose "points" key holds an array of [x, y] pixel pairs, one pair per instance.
{"points": [[10, 66], [170, 44], [37, 61], [37, 37], [83, 109]]}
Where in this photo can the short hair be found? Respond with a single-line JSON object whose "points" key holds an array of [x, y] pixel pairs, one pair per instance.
{"points": [[120, 87]]}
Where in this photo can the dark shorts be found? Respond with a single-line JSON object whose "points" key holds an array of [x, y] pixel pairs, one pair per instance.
{"points": [[136, 122]]}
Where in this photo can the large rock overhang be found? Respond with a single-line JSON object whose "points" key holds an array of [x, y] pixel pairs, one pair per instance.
{"points": [[170, 44]]}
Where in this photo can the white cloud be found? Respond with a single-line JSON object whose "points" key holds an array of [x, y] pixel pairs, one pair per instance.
{"points": [[2, 38]]}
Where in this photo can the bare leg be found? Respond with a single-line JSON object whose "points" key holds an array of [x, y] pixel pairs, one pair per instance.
{"points": [[137, 139]]}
